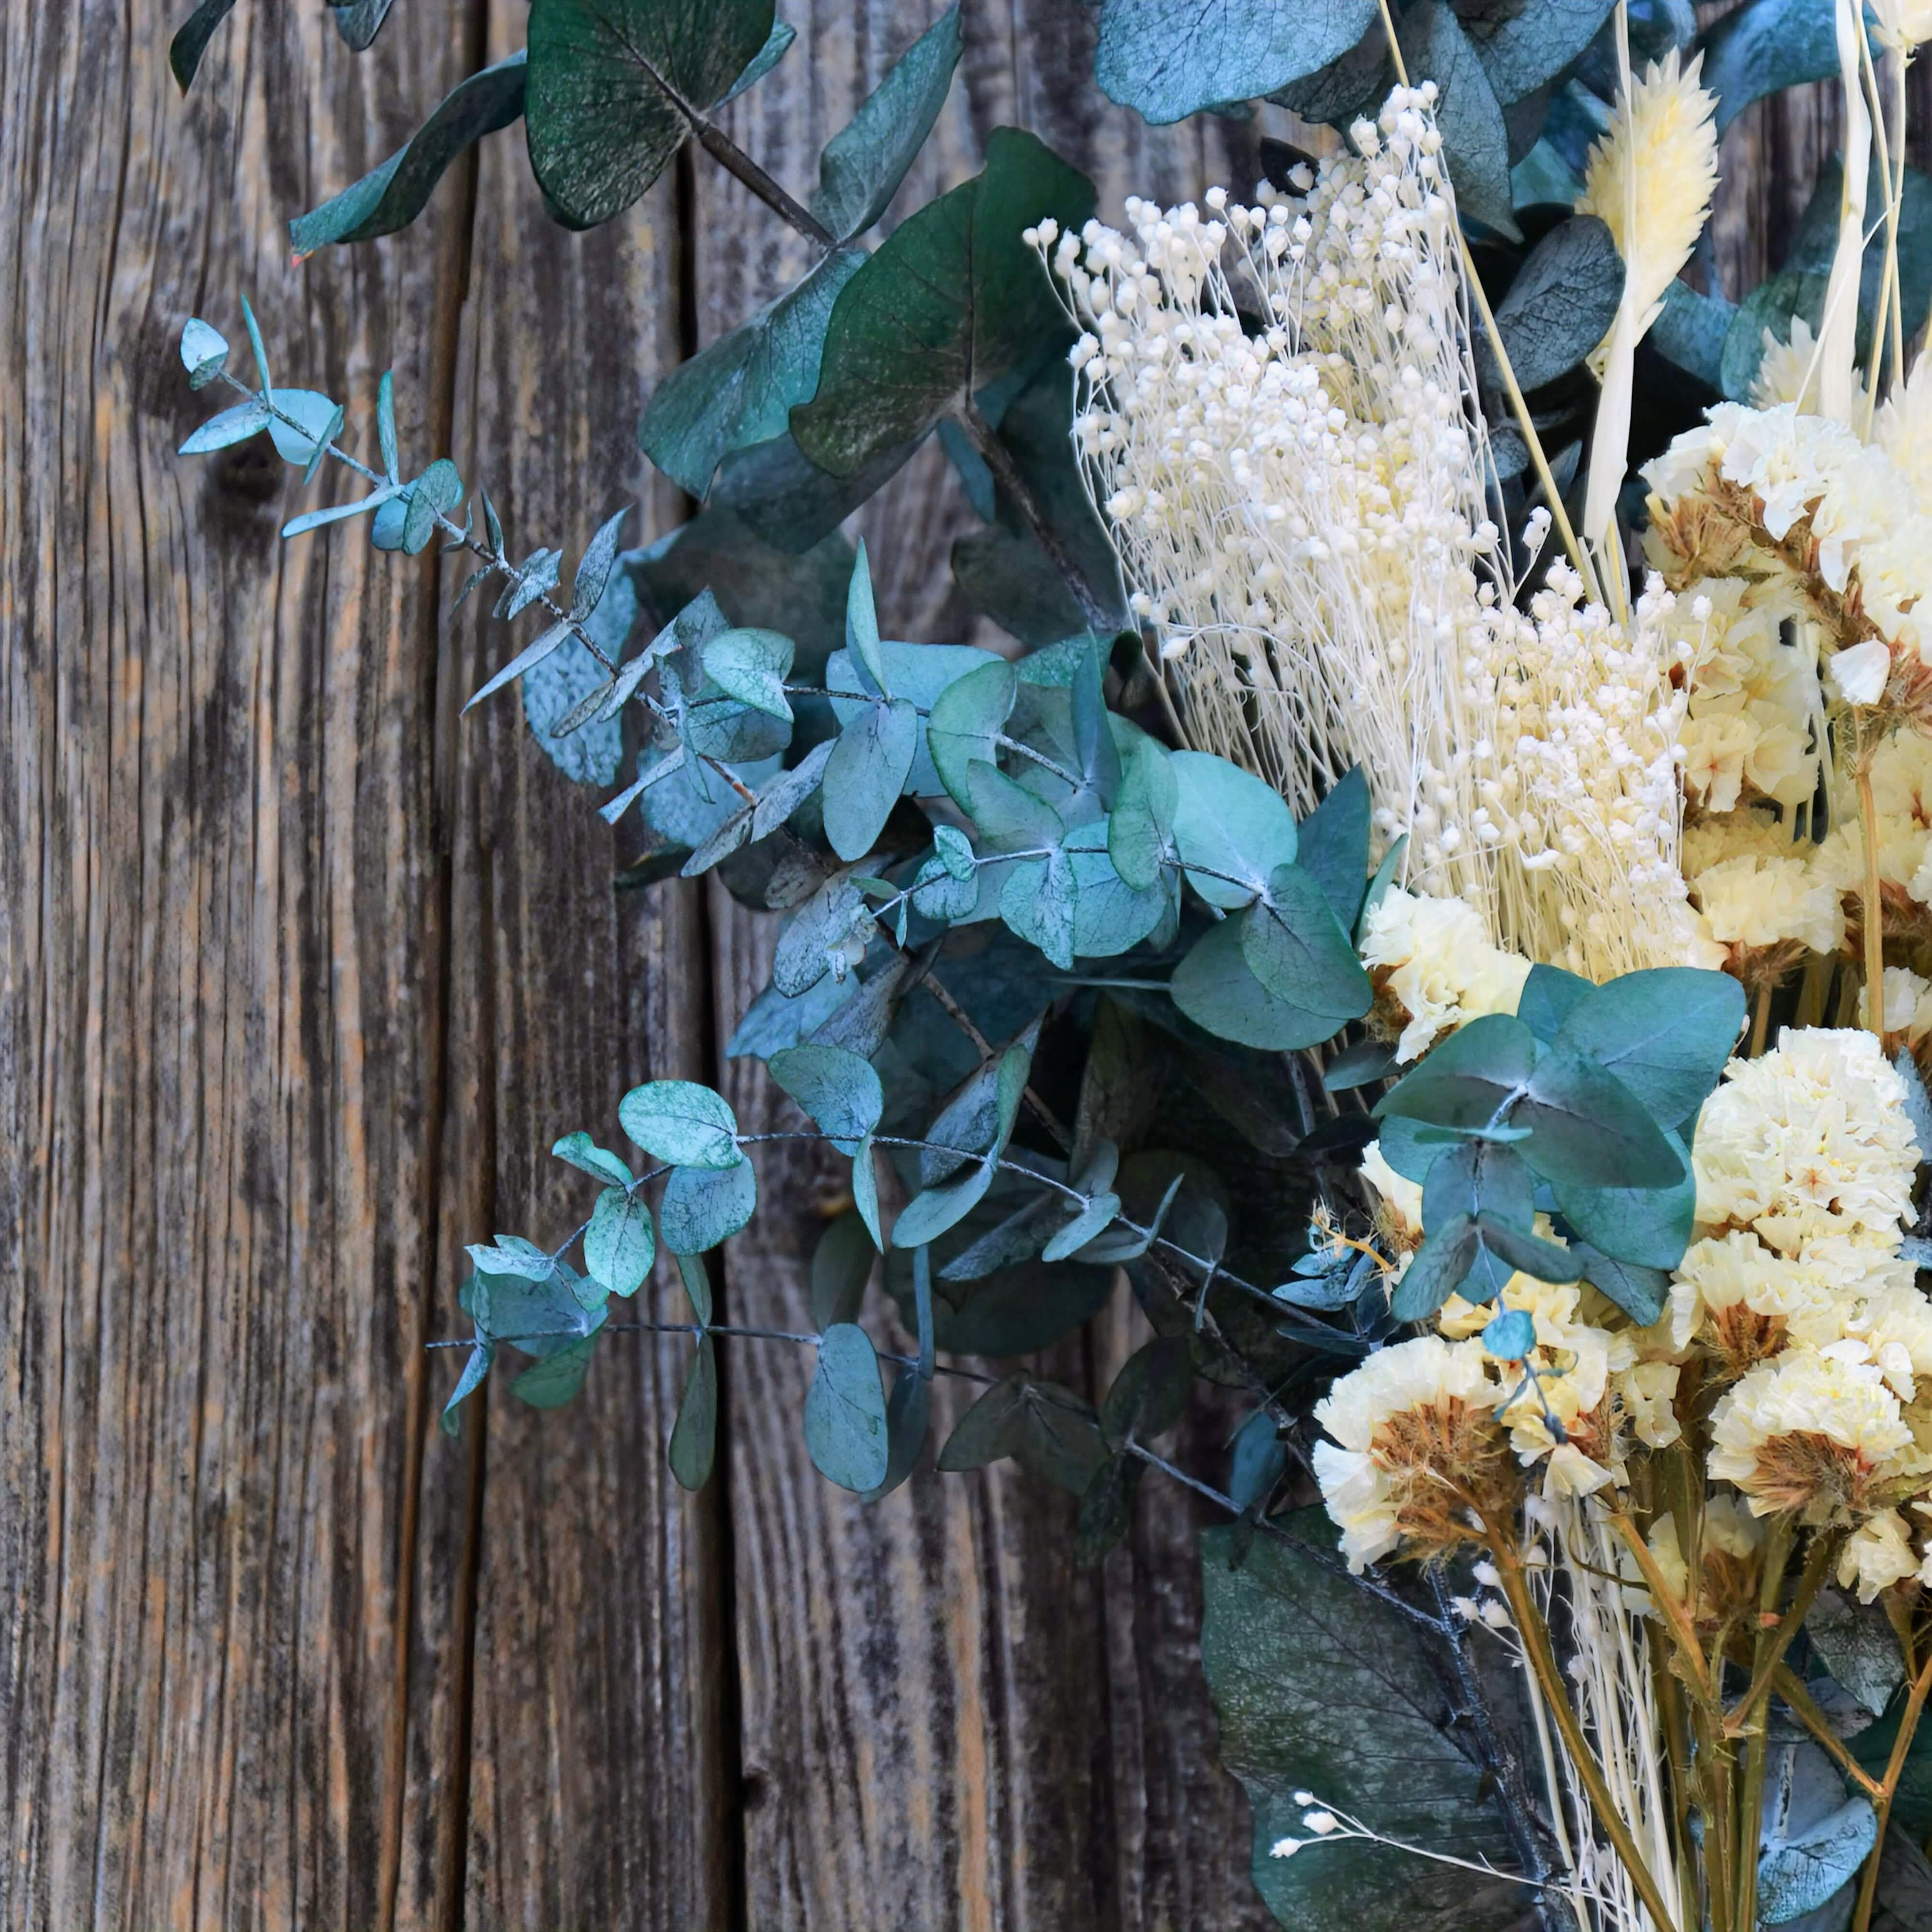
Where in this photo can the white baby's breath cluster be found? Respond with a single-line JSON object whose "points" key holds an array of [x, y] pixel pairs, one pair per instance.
{"points": [[1301, 509]]}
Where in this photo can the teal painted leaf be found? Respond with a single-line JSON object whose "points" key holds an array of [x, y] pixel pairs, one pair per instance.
{"points": [[1665, 1034], [679, 1121], [1769, 307], [562, 694], [1511, 1336], [1480, 1178], [964, 725], [232, 425], [908, 1417], [1475, 140], [1294, 947], [1140, 832], [392, 196], [1797, 1874], [778, 44], [1691, 332], [314, 520], [1340, 91], [702, 1206], [1766, 45], [1110, 916], [1230, 829], [1332, 846], [1561, 303], [953, 301], [1529, 1254], [787, 502], [839, 1090], [845, 1411], [867, 772], [1479, 1069], [204, 353], [316, 420], [191, 39], [475, 1369], [1548, 996], [929, 1214], [693, 1435], [866, 1191], [433, 494], [862, 647], [606, 77], [1646, 1227], [1320, 1687], [1521, 47], [1912, 1808], [826, 935], [697, 1281], [863, 164], [739, 390], [582, 1152], [1039, 901], [1588, 1129], [917, 673], [1167, 59], [841, 1267], [752, 666], [1436, 1269], [619, 1246], [1217, 989], [358, 21], [1047, 1429], [594, 567], [556, 1379]]}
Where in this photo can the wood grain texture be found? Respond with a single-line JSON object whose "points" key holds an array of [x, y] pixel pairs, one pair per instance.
{"points": [[218, 1191]]}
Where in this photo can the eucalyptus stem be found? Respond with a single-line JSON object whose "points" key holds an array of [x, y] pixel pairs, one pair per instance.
{"points": [[734, 160], [1006, 473], [1874, 932], [1542, 1658], [1751, 1802]]}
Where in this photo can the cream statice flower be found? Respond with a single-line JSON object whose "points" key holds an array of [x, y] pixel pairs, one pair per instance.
{"points": [[1415, 1441], [1789, 372], [1877, 1554], [1908, 1007], [1903, 25], [1650, 179], [1811, 1433], [1901, 781], [1811, 1139], [1744, 1301], [1434, 968], [1301, 512], [1752, 903], [1775, 494]]}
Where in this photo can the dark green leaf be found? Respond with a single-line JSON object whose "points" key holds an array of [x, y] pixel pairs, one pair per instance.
{"points": [[1047, 1429], [1528, 1253], [1766, 45], [841, 1265], [392, 195], [693, 1435], [953, 301], [1465, 1081], [1436, 1269], [1167, 59], [606, 80], [703, 1206], [697, 1281], [1548, 995], [1588, 1129], [1769, 306], [1480, 1178], [845, 1411], [1093, 1219], [863, 164], [1106, 1509], [789, 503], [1642, 1293], [1561, 303], [866, 1191], [618, 1245], [1109, 915], [1522, 45], [1648, 1227], [929, 1214], [1666, 1034], [1856, 1643], [835, 1087], [191, 39], [679, 1121], [1357, 1065], [1295, 949], [1150, 1394], [1332, 846], [1217, 989], [739, 390], [868, 769], [556, 1379], [358, 21], [1475, 142], [1230, 826], [1318, 1686], [1690, 332]]}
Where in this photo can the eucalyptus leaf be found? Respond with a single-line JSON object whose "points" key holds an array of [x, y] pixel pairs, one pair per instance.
{"points": [[1294, 947], [1047, 1428], [1666, 1034], [1217, 989], [845, 1411], [1474, 141], [190, 42], [679, 1121], [693, 1435], [1548, 997], [204, 353], [392, 196], [1522, 45], [1764, 46], [702, 1206], [609, 81], [841, 1265], [557, 1379], [868, 769], [1561, 303], [964, 724], [1332, 846], [1230, 829], [1167, 59], [838, 1089], [862, 165], [618, 1245]]}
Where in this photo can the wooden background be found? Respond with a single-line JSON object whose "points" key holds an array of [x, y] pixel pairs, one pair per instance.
{"points": [[301, 975]]}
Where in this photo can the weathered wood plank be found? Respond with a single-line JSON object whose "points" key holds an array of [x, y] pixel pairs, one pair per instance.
{"points": [[216, 1209], [587, 1780]]}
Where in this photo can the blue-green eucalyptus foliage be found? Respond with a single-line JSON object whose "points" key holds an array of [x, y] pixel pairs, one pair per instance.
{"points": [[1046, 983]]}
